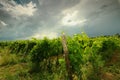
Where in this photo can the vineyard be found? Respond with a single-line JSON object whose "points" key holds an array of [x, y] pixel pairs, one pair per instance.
{"points": [[96, 58]]}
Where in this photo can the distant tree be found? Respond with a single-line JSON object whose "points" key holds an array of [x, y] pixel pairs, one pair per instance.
{"points": [[117, 34]]}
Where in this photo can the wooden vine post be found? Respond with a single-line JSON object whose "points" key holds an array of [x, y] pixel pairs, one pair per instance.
{"points": [[65, 49]]}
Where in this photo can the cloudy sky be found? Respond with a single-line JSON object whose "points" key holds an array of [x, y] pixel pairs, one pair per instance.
{"points": [[23, 19]]}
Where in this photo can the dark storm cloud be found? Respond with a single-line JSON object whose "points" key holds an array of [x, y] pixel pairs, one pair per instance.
{"points": [[17, 24], [101, 15], [44, 18], [94, 8], [1, 5], [26, 18], [56, 5], [50, 9], [106, 27]]}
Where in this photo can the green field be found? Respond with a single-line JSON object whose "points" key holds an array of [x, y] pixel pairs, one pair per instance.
{"points": [[96, 58]]}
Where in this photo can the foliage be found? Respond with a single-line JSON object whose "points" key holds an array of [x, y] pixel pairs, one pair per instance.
{"points": [[87, 56]]}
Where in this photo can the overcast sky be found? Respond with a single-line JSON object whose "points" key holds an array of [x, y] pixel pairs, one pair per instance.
{"points": [[23, 19]]}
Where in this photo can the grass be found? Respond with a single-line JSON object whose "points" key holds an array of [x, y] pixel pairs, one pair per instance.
{"points": [[111, 70], [6, 58], [12, 66], [19, 70], [16, 67]]}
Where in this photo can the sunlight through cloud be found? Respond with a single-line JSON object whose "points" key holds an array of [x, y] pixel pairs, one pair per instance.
{"points": [[71, 18], [49, 35]]}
